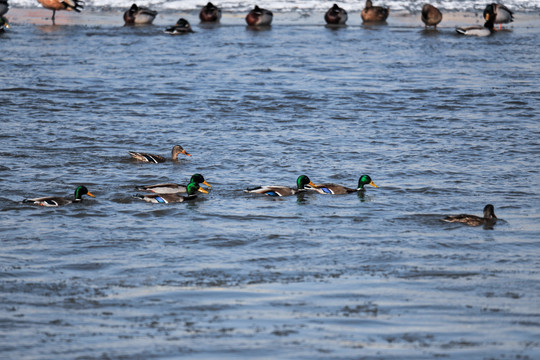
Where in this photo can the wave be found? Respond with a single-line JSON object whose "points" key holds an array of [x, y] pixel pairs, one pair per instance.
{"points": [[411, 6]]}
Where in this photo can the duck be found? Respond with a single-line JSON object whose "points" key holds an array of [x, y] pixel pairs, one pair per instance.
{"points": [[259, 17], [277, 190], [192, 189], [182, 26], [52, 201], [374, 13], [4, 24], [485, 30], [151, 158], [473, 220], [69, 5], [502, 14], [138, 15], [174, 188], [210, 13], [431, 16], [335, 16], [336, 189]]}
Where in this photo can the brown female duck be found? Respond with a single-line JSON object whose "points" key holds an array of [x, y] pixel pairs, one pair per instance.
{"points": [[151, 158], [473, 220], [374, 13]]}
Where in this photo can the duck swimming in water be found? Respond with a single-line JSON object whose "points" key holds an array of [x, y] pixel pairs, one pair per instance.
{"points": [[431, 16], [192, 189], [174, 188], [138, 15], [151, 158], [485, 30], [374, 13], [259, 17], [277, 190], [181, 27], [57, 200], [335, 16], [69, 5], [336, 189], [4, 24], [502, 15], [473, 220], [210, 13]]}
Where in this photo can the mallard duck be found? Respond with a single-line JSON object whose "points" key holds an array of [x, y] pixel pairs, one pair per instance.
{"points": [[473, 220], [138, 15], [54, 5], [4, 24], [259, 17], [339, 189], [374, 13], [485, 30], [431, 16], [181, 27], [151, 158], [277, 190], [502, 15], [173, 188], [210, 13], [192, 189], [335, 16], [57, 200]]}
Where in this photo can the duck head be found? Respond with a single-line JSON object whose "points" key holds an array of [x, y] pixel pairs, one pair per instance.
{"points": [[302, 181], [193, 187], [80, 191], [199, 179], [365, 180]]}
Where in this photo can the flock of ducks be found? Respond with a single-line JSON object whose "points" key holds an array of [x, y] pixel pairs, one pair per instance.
{"points": [[172, 193], [166, 193], [335, 16]]}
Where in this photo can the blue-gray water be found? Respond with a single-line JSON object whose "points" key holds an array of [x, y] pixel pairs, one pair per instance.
{"points": [[443, 124]]}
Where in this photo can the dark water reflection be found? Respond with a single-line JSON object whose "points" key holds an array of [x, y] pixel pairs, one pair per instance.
{"points": [[443, 125]]}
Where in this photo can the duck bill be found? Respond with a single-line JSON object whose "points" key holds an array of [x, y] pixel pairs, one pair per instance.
{"points": [[207, 184], [90, 194], [487, 17], [185, 152], [203, 191], [312, 184], [373, 184]]}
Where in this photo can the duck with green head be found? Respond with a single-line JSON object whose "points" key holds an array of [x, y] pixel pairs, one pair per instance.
{"points": [[57, 200], [335, 189], [278, 190], [192, 189], [173, 188], [181, 27], [485, 30]]}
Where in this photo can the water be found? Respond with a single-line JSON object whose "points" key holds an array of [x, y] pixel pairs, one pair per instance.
{"points": [[443, 124]]}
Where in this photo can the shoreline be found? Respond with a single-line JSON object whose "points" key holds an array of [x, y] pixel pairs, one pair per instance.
{"points": [[111, 17]]}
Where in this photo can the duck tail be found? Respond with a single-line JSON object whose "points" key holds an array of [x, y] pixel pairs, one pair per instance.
{"points": [[253, 189], [76, 5]]}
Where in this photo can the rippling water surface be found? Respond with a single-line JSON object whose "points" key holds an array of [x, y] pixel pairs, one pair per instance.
{"points": [[443, 124]]}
